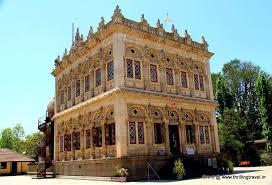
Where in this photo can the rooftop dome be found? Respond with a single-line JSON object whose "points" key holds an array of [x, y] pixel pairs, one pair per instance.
{"points": [[51, 108]]}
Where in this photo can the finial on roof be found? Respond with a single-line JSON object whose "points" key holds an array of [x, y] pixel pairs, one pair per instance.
{"points": [[204, 43], [186, 34], [77, 36], [143, 18], [117, 15], [159, 25], [102, 23], [173, 29], [65, 53], [90, 34], [203, 40], [81, 37], [57, 60]]}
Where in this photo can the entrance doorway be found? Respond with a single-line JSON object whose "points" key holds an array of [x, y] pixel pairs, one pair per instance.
{"points": [[14, 167], [174, 139]]}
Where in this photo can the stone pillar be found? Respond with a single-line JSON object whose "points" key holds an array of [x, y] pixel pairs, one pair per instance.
{"points": [[121, 124], [103, 77], [73, 89], [162, 77], [56, 146], [215, 131], [118, 59], [209, 80], [104, 147], [182, 137], [196, 136], [72, 148], [92, 82], [149, 135], [166, 136], [82, 143], [82, 88], [177, 80], [191, 82], [146, 74]]}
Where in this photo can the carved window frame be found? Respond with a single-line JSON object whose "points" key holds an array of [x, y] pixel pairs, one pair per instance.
{"points": [[158, 133], [199, 82], [110, 71], [61, 144], [88, 138], [184, 79], [190, 134], [77, 89], [133, 69], [98, 77], [69, 93], [169, 75], [62, 97], [153, 70], [87, 84]]}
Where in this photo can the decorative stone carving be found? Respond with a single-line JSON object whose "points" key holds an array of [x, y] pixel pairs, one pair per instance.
{"points": [[117, 16], [90, 34]]}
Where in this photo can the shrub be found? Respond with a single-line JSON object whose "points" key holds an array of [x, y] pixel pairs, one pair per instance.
{"points": [[266, 158], [230, 166], [120, 172], [179, 168]]}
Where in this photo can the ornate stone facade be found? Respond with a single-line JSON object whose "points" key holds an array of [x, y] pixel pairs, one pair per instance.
{"points": [[133, 90]]}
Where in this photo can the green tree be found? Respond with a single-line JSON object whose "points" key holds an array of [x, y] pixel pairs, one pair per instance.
{"points": [[7, 138], [264, 94], [32, 142]]}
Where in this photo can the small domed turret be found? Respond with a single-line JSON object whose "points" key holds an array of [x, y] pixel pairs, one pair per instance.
{"points": [[51, 108]]}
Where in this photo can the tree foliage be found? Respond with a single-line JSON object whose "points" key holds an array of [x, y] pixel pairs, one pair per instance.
{"points": [[264, 93], [238, 113], [15, 139]]}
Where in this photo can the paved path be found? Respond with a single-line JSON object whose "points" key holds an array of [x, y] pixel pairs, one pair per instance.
{"points": [[241, 176]]}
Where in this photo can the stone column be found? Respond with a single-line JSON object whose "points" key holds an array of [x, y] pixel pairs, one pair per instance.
{"points": [[104, 147], [82, 88], [73, 89], [92, 83], [146, 74], [83, 143], [56, 146], [182, 136], [209, 80], [166, 136], [118, 59], [149, 135], [162, 77], [215, 131], [103, 76], [196, 136], [121, 124], [72, 148], [177, 80], [191, 82]]}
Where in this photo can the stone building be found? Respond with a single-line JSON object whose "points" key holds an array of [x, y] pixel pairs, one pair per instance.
{"points": [[131, 93]]}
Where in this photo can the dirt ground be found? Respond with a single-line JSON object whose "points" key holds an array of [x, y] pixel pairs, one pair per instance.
{"points": [[244, 175]]}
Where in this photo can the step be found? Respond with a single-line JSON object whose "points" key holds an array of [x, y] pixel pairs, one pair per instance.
{"points": [[93, 178]]}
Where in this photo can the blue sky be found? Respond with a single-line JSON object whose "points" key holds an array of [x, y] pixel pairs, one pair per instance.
{"points": [[33, 33]]}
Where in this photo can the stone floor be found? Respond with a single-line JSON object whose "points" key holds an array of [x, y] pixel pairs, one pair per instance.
{"points": [[239, 177]]}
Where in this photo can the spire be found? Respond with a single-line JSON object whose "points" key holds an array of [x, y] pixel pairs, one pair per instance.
{"points": [[143, 18], [204, 43], [65, 53], [186, 34], [159, 25], [90, 34], [101, 24], [117, 15], [77, 36], [173, 29]]}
